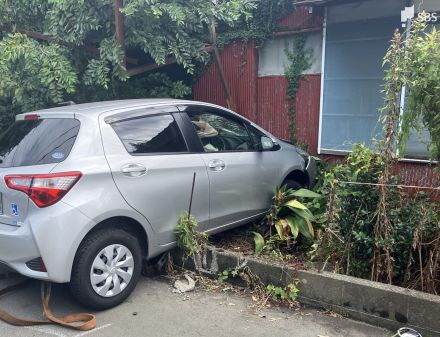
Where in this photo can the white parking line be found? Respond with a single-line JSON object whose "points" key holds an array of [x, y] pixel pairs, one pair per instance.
{"points": [[46, 331], [52, 332], [92, 331]]}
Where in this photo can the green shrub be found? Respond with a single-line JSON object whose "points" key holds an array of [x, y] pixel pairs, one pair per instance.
{"points": [[347, 238]]}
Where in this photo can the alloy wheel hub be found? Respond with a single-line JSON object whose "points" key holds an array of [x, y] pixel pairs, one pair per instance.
{"points": [[112, 270]]}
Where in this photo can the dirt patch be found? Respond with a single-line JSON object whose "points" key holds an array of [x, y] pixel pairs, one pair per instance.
{"points": [[240, 240]]}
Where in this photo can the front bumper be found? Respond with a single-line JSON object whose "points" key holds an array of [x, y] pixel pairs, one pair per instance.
{"points": [[311, 170]]}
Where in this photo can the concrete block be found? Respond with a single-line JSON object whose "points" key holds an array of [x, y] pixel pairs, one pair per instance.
{"points": [[372, 302]]}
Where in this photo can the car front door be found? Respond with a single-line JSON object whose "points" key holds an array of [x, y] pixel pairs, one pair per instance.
{"points": [[153, 168], [242, 179]]}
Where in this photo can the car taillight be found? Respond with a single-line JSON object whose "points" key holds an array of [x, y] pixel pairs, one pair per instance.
{"points": [[43, 189], [31, 117]]}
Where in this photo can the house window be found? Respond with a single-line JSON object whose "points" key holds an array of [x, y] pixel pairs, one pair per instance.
{"points": [[273, 59], [357, 38]]}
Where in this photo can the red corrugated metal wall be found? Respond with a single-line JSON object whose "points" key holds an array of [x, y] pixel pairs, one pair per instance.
{"points": [[273, 107], [418, 174], [301, 19], [263, 99], [240, 68]]}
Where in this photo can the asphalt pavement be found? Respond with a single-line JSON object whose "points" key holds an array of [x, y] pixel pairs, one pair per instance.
{"points": [[153, 310]]}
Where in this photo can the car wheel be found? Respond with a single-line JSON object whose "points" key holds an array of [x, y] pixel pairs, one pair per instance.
{"points": [[293, 184], [106, 269]]}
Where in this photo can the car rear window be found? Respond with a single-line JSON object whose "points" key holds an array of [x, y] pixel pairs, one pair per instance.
{"points": [[36, 142], [152, 134]]}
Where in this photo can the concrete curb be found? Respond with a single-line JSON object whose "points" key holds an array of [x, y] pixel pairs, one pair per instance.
{"points": [[380, 304]]}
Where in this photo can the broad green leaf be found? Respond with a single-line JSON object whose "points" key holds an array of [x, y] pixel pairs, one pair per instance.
{"points": [[259, 243], [303, 213], [292, 222], [304, 228], [304, 193], [296, 204]]}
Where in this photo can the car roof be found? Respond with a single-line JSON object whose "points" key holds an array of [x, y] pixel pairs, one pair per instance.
{"points": [[96, 108]]}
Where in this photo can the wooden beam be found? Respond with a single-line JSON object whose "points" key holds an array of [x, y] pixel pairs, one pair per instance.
{"points": [[88, 49], [119, 26], [154, 66], [299, 31], [151, 66]]}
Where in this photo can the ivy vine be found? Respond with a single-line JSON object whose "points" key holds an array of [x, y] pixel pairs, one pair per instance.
{"points": [[261, 25], [299, 58]]}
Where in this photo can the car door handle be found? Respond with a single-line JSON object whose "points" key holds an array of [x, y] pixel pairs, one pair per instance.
{"points": [[133, 170], [216, 165]]}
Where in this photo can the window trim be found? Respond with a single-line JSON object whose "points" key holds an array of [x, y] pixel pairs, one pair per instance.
{"points": [[400, 160]]}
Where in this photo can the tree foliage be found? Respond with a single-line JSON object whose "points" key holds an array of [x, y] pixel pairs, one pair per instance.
{"points": [[32, 74], [42, 73], [265, 16]]}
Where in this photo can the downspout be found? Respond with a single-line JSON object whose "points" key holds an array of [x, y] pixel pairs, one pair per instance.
{"points": [[321, 99], [403, 91]]}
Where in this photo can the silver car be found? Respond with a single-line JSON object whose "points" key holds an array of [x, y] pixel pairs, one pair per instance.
{"points": [[89, 191]]}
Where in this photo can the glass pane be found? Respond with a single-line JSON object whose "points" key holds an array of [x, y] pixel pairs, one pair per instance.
{"points": [[218, 133], [353, 81], [43, 141], [154, 134], [273, 60], [417, 147]]}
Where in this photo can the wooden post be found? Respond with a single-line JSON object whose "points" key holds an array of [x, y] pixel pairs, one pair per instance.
{"points": [[119, 26], [219, 65]]}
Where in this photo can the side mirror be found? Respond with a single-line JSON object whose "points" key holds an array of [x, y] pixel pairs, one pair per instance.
{"points": [[267, 144]]}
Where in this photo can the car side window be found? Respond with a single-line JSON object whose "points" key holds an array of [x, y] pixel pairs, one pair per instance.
{"points": [[150, 134], [219, 133]]}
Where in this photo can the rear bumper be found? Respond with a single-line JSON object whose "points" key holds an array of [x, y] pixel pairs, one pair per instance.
{"points": [[53, 233], [17, 246], [311, 170]]}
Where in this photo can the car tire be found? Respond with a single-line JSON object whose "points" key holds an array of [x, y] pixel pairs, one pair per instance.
{"points": [[119, 273], [293, 184]]}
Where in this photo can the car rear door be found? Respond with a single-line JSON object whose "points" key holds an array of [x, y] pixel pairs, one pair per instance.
{"points": [[153, 169], [242, 179], [32, 145]]}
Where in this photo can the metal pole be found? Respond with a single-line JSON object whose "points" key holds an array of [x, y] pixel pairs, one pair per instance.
{"points": [[191, 198]]}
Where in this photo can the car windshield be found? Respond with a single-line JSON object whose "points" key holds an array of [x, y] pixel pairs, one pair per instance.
{"points": [[37, 142]]}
